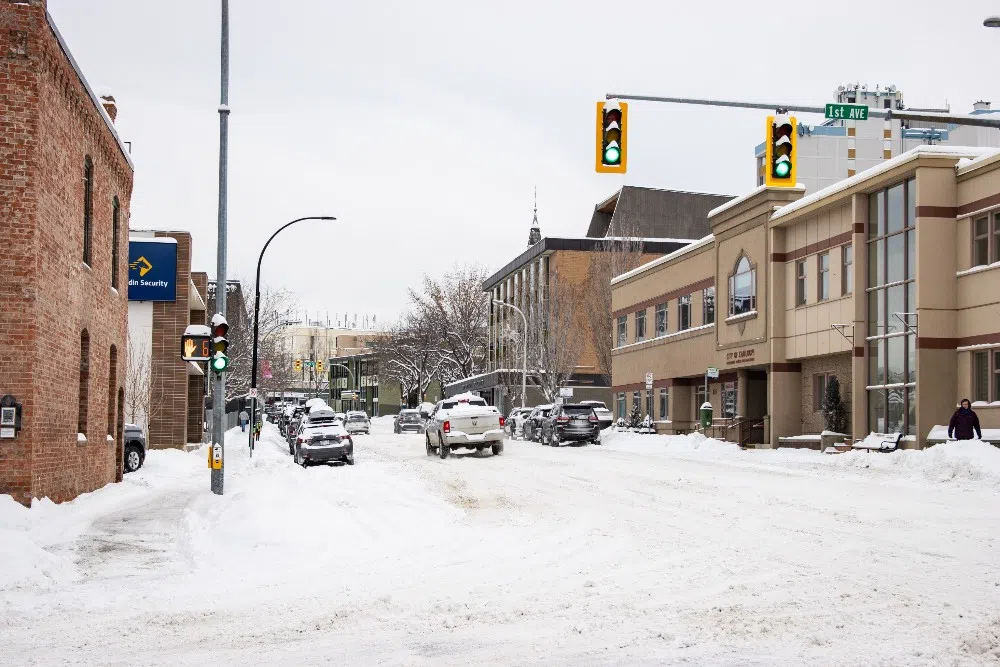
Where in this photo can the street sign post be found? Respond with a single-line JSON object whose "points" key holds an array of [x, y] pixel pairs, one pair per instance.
{"points": [[712, 373], [565, 392], [253, 392], [649, 381], [847, 111]]}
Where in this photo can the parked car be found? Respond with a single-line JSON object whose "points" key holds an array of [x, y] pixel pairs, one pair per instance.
{"points": [[342, 416], [515, 421], [604, 416], [135, 447], [408, 421], [357, 422], [324, 443], [532, 427], [464, 421], [571, 422]]}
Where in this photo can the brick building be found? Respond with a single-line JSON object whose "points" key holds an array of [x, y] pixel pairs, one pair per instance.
{"points": [[65, 187], [164, 394]]}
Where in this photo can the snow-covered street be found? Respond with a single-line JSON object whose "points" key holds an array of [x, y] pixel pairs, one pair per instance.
{"points": [[633, 552]]}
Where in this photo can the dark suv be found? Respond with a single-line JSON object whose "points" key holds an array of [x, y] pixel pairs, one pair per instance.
{"points": [[574, 422], [135, 447]]}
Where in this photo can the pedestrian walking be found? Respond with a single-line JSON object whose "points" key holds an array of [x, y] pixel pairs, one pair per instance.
{"points": [[244, 420], [964, 422]]}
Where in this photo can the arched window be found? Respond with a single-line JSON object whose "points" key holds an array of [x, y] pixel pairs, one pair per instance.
{"points": [[88, 209], [112, 389], [743, 288], [81, 422], [115, 244]]}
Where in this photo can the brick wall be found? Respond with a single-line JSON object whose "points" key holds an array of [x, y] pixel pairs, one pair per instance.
{"points": [[48, 296], [836, 364]]}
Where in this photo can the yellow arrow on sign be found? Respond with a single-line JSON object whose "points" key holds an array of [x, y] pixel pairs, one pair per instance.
{"points": [[143, 265]]}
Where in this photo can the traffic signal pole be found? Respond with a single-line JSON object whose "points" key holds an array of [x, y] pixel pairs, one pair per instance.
{"points": [[890, 114], [219, 379]]}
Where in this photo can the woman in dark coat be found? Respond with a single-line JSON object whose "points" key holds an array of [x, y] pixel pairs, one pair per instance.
{"points": [[964, 422]]}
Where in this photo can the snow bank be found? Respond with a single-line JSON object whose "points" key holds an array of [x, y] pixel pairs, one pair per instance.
{"points": [[956, 460]]}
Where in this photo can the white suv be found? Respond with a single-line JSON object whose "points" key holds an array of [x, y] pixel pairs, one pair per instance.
{"points": [[357, 422]]}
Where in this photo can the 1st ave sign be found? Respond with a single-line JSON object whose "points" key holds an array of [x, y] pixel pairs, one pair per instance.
{"points": [[847, 111]]}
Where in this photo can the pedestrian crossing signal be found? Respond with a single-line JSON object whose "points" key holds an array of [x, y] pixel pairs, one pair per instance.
{"points": [[612, 126]]}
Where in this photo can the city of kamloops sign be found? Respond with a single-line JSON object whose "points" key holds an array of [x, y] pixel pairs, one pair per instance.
{"points": [[740, 357]]}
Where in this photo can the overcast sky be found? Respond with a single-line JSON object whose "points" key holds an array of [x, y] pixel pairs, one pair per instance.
{"points": [[423, 126]]}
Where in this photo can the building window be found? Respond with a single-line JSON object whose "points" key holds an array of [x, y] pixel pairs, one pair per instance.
{"points": [[636, 400], [847, 270], [115, 233], [820, 382], [708, 305], [622, 331], [661, 319], [743, 288], [83, 396], [823, 264], [986, 241], [700, 398], [640, 325], [664, 403], [800, 282], [891, 294], [112, 389], [649, 404], [684, 313], [981, 376], [88, 209], [620, 407]]}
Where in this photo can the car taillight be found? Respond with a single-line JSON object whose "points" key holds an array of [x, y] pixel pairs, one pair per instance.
{"points": [[502, 421], [593, 418], [447, 427], [563, 419]]}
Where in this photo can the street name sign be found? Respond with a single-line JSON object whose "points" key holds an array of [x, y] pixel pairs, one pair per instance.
{"points": [[847, 111], [712, 372]]}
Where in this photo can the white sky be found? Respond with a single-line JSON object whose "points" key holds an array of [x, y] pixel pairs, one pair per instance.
{"points": [[423, 126]]}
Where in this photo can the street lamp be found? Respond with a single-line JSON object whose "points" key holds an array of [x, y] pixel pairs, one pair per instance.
{"points": [[524, 372], [354, 380], [992, 22], [256, 316]]}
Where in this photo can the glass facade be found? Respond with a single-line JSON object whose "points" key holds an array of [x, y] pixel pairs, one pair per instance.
{"points": [[891, 294]]}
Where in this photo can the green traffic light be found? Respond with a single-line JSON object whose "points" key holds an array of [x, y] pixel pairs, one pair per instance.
{"points": [[219, 363], [781, 169], [612, 155]]}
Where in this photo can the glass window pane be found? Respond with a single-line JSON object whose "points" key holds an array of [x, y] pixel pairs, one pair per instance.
{"points": [[876, 362], [911, 302], [981, 227], [911, 254], [876, 410], [876, 214], [911, 411], [894, 213], [911, 358], [896, 410], [876, 313], [996, 376], [980, 376], [981, 251], [897, 304], [896, 360], [876, 268], [911, 202], [897, 258]]}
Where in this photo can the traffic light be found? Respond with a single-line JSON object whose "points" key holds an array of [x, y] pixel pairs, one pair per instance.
{"points": [[319, 365], [612, 126], [220, 327], [780, 151], [298, 365]]}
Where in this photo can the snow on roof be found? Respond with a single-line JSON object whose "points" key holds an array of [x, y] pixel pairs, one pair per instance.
{"points": [[153, 239], [888, 165], [965, 165], [739, 200], [663, 260]]}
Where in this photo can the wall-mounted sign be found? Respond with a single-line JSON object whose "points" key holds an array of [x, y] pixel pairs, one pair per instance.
{"points": [[736, 357], [152, 270]]}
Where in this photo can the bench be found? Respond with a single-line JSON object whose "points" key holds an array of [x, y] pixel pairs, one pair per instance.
{"points": [[879, 442]]}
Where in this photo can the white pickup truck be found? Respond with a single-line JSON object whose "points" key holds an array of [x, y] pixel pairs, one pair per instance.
{"points": [[464, 421]]}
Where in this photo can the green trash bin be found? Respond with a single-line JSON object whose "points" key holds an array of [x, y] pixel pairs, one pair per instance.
{"points": [[706, 414]]}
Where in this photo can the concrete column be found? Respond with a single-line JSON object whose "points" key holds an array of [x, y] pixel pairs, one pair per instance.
{"points": [[784, 402], [859, 367], [741, 392]]}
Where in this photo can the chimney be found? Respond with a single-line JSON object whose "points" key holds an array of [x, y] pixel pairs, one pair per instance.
{"points": [[981, 105], [108, 101]]}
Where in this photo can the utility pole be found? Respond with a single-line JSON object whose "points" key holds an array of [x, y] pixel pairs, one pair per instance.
{"points": [[219, 379]]}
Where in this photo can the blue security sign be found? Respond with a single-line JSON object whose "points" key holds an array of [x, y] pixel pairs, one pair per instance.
{"points": [[152, 269]]}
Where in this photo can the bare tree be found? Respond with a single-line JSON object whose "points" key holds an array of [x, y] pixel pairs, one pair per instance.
{"points": [[554, 348], [408, 353], [276, 305], [143, 384], [615, 255]]}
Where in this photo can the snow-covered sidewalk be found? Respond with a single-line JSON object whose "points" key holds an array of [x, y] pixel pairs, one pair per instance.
{"points": [[645, 550]]}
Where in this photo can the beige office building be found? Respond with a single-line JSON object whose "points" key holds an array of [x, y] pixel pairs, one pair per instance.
{"points": [[888, 280]]}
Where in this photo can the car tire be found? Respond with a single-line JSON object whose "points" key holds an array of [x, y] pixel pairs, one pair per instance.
{"points": [[443, 450], [498, 449], [133, 458], [431, 449], [349, 460], [554, 439]]}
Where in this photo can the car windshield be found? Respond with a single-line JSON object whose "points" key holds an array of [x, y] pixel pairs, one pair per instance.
{"points": [[575, 410], [356, 418], [409, 417]]}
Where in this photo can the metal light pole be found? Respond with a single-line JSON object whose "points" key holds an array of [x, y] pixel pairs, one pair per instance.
{"points": [[524, 372], [354, 380], [219, 383], [256, 317]]}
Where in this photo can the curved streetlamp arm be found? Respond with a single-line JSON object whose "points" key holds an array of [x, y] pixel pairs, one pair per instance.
{"points": [[524, 371], [256, 317]]}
